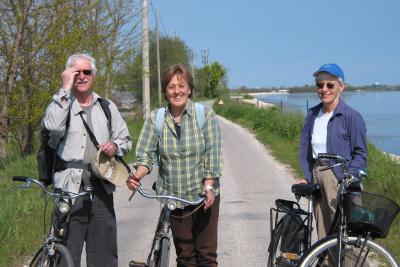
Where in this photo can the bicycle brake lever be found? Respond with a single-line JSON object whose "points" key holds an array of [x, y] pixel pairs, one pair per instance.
{"points": [[89, 189], [330, 167], [133, 193]]}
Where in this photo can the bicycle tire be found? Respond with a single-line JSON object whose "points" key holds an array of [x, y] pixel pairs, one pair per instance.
{"points": [[43, 259], [328, 246], [285, 250], [163, 256]]}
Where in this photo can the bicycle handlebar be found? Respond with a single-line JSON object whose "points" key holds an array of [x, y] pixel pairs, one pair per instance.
{"points": [[144, 194], [335, 157], [20, 178], [57, 191], [350, 182]]}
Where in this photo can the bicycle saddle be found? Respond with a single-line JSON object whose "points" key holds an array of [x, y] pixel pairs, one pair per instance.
{"points": [[304, 189]]}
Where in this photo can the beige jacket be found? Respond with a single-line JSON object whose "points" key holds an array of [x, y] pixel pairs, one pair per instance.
{"points": [[72, 147]]}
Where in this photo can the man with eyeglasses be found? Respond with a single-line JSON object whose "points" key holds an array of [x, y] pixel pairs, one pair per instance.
{"points": [[91, 221], [330, 127]]}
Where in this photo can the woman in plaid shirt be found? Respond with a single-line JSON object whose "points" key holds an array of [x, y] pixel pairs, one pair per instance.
{"points": [[190, 163]]}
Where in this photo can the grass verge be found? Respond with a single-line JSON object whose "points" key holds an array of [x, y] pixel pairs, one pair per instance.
{"points": [[280, 132]]}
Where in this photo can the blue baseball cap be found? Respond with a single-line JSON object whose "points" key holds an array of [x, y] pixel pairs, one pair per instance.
{"points": [[332, 69]]}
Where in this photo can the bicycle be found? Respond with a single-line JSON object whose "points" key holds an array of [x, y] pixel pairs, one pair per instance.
{"points": [[360, 218], [160, 248], [53, 249]]}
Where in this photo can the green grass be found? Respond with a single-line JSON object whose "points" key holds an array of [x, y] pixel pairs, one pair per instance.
{"points": [[21, 211], [280, 132], [384, 179], [134, 126]]}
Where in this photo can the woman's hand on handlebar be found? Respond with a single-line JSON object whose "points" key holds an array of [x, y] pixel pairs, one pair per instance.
{"points": [[209, 193], [209, 199], [132, 181]]}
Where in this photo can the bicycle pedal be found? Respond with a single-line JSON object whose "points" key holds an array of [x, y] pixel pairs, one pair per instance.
{"points": [[133, 263]]}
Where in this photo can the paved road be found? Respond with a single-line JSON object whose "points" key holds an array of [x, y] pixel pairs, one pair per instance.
{"points": [[252, 180]]}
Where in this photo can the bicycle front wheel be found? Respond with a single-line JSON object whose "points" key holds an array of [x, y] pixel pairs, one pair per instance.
{"points": [[163, 256], [44, 259], [325, 253]]}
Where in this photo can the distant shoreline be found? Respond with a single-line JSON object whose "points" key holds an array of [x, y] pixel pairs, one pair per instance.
{"points": [[311, 89], [269, 93]]}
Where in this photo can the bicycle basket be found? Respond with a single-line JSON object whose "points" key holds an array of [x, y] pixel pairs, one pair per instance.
{"points": [[369, 213]]}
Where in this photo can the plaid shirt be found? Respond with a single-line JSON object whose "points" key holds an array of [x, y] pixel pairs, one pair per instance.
{"points": [[185, 162]]}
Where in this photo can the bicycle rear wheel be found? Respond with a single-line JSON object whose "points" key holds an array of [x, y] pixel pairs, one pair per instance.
{"points": [[288, 240], [163, 256], [43, 259], [325, 251]]}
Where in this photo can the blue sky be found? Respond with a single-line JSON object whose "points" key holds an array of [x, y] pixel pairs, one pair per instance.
{"points": [[282, 42]]}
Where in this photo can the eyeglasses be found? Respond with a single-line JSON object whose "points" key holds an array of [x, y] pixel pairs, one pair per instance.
{"points": [[85, 72], [328, 84]]}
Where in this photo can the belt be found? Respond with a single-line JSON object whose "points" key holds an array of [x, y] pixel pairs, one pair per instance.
{"points": [[322, 162], [63, 165]]}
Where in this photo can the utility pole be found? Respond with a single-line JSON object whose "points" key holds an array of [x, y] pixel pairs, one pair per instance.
{"points": [[158, 60], [204, 60], [204, 56], [145, 63], [192, 55]]}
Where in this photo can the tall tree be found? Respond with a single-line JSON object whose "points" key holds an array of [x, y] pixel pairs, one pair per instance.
{"points": [[212, 79], [13, 24], [35, 39], [114, 24]]}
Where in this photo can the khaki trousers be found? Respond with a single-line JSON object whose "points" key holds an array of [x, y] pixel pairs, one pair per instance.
{"points": [[326, 203]]}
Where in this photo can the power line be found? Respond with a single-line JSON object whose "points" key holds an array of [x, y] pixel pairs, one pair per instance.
{"points": [[159, 17]]}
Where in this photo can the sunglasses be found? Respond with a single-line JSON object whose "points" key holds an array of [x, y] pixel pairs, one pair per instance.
{"points": [[85, 72], [328, 84]]}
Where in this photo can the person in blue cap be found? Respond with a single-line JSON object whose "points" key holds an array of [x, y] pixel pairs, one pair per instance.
{"points": [[330, 127]]}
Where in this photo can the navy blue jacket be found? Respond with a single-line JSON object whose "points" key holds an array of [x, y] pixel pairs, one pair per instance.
{"points": [[346, 137]]}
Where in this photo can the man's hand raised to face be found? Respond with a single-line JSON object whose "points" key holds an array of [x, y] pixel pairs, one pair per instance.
{"points": [[68, 78]]}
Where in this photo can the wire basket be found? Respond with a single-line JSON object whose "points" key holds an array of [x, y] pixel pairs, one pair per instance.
{"points": [[369, 213]]}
